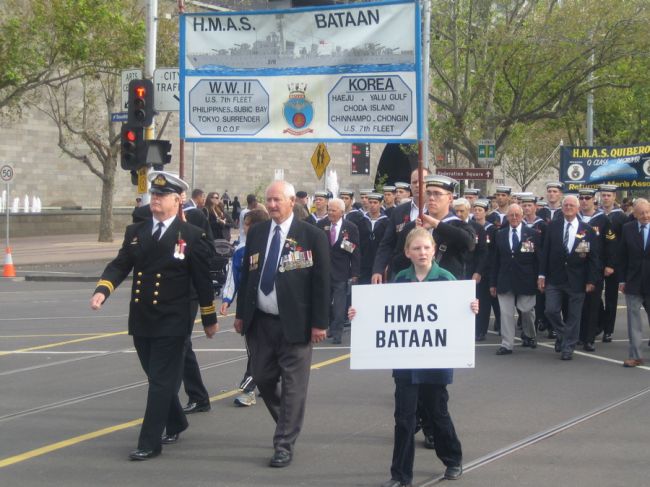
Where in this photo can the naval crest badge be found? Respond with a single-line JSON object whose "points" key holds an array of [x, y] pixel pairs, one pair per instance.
{"points": [[298, 111]]}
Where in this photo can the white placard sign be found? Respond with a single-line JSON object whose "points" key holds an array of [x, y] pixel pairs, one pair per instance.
{"points": [[420, 325], [303, 75]]}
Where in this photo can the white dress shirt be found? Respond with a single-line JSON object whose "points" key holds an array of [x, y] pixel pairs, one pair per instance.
{"points": [[572, 232], [269, 304], [166, 224], [513, 230]]}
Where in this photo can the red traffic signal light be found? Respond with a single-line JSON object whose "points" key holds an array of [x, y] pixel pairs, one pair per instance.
{"points": [[133, 152], [140, 109]]}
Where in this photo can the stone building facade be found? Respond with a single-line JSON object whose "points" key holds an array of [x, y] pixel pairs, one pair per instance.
{"points": [[42, 169]]}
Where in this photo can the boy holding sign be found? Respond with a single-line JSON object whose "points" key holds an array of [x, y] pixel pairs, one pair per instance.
{"points": [[429, 386]]}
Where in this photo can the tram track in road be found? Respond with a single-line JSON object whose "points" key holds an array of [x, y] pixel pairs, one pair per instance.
{"points": [[5, 462], [104, 392], [535, 438]]}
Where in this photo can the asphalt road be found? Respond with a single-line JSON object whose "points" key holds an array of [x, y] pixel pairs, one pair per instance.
{"points": [[73, 394]]}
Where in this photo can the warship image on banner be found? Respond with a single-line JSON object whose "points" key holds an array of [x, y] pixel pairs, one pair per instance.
{"points": [[276, 52]]}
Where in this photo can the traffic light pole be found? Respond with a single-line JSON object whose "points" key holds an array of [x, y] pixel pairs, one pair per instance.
{"points": [[150, 66]]}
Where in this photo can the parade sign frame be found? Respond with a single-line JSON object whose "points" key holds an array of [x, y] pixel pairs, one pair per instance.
{"points": [[332, 73], [419, 325], [627, 166]]}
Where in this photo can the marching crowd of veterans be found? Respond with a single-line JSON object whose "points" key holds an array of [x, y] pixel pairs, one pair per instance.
{"points": [[553, 264]]}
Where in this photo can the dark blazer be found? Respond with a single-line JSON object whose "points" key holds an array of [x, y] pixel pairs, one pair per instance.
{"points": [[497, 219], [545, 214], [477, 261], [161, 289], [516, 271], [634, 261], [343, 264], [606, 238], [370, 238], [303, 294], [388, 247], [574, 269], [454, 239]]}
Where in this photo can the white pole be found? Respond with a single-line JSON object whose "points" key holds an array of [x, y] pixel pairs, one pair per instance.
{"points": [[7, 219], [426, 50], [150, 66]]}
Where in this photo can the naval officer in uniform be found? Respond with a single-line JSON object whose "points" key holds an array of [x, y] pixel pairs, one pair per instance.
{"points": [[168, 257]]}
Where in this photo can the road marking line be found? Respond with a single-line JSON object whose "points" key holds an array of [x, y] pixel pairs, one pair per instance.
{"points": [[58, 344], [54, 335], [5, 462]]}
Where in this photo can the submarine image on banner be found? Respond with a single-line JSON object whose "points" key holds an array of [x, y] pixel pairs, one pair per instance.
{"points": [[614, 169]]}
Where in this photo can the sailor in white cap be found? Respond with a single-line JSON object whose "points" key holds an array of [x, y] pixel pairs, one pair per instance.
{"points": [[167, 256]]}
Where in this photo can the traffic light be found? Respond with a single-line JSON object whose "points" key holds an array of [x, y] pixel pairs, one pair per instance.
{"points": [[140, 109], [158, 153], [134, 147]]}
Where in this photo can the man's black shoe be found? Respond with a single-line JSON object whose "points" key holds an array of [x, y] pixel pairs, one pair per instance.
{"points": [[566, 356], [453, 472], [532, 342], [197, 407], [280, 459], [525, 341], [558, 345], [140, 455], [541, 326], [428, 442], [607, 337], [503, 351], [551, 333], [589, 347], [480, 338], [169, 439]]}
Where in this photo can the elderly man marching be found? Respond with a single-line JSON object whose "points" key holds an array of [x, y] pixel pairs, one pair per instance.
{"points": [[513, 278], [168, 256]]}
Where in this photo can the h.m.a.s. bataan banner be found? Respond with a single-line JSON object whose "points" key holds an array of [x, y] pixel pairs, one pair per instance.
{"points": [[627, 166], [350, 72]]}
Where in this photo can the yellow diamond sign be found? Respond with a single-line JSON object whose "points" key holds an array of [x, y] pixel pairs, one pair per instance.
{"points": [[320, 159]]}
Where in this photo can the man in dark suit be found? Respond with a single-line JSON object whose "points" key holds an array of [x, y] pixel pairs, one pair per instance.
{"points": [[513, 278], [617, 218], [198, 399], [486, 301], [634, 275], [168, 257], [372, 227], [345, 263], [607, 248], [568, 269], [389, 249], [282, 309]]}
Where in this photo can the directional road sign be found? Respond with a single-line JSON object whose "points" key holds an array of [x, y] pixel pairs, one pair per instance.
{"points": [[166, 89], [466, 173]]}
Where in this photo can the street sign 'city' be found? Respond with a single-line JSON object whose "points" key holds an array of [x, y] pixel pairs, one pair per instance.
{"points": [[466, 173], [320, 159], [127, 76], [167, 93]]}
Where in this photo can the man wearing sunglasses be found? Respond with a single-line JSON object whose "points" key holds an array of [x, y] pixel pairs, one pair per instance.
{"points": [[606, 247]]}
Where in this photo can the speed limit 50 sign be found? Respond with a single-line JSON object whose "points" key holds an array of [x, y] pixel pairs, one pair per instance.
{"points": [[6, 173]]}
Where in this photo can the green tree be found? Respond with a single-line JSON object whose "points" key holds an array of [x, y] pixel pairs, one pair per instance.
{"points": [[74, 51], [498, 64]]}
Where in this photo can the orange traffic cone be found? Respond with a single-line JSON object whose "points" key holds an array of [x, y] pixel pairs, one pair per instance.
{"points": [[8, 270]]}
